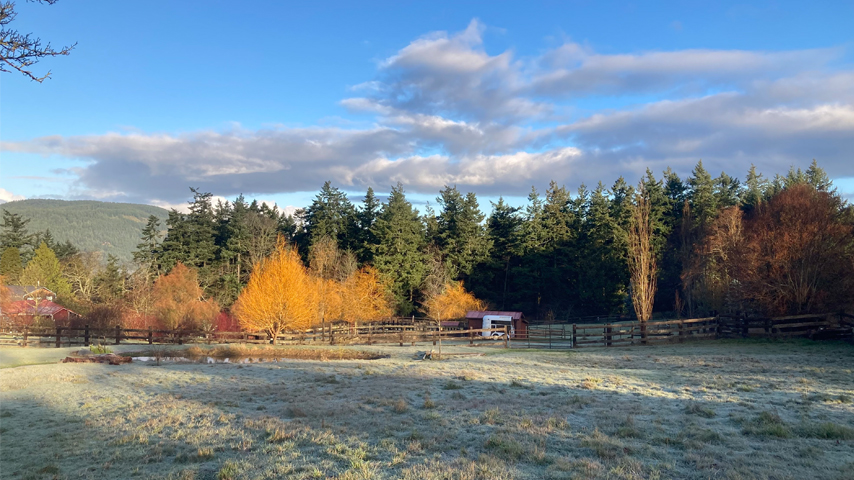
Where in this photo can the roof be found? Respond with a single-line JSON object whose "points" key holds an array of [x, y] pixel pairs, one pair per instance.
{"points": [[27, 307], [23, 290], [480, 314]]}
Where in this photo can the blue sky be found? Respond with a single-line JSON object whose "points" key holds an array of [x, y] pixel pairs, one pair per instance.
{"points": [[270, 99]]}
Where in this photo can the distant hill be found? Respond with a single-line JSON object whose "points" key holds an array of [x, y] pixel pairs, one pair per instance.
{"points": [[91, 226]]}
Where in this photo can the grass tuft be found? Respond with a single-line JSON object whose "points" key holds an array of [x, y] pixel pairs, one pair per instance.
{"points": [[697, 409], [826, 431], [767, 424]]}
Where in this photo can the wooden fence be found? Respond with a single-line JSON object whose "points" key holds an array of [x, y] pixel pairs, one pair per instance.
{"points": [[554, 336], [331, 334]]}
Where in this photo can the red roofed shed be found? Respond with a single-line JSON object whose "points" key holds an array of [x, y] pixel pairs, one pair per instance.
{"points": [[520, 325], [25, 311]]}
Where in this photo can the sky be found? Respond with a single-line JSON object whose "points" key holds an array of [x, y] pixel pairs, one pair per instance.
{"points": [[271, 99]]}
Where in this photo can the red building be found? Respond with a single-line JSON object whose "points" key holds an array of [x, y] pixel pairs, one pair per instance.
{"points": [[25, 312]]}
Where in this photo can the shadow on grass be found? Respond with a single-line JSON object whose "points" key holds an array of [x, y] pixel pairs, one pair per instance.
{"points": [[587, 414]]}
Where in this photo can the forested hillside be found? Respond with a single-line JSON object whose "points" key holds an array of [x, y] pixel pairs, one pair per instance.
{"points": [[112, 228]]}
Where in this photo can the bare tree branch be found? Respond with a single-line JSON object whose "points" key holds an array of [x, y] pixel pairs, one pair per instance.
{"points": [[21, 51]]}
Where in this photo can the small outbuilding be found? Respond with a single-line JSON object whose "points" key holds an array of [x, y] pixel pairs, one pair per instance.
{"points": [[517, 320]]}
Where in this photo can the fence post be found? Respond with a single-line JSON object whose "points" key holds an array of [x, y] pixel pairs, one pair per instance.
{"points": [[58, 337], [400, 333], [471, 336], [86, 335], [574, 343], [26, 334], [150, 336], [506, 335], [118, 334], [608, 335]]}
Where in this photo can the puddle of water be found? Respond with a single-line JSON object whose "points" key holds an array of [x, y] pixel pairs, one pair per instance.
{"points": [[207, 360]]}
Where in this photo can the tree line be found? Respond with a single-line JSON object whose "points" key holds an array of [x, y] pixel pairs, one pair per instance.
{"points": [[665, 246]]}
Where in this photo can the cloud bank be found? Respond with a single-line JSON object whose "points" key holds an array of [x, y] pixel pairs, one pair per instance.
{"points": [[447, 112]]}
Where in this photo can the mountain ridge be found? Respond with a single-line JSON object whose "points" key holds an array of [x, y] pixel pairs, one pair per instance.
{"points": [[90, 225]]}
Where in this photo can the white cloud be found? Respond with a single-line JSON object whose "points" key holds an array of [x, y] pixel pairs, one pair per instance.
{"points": [[7, 196], [445, 111]]}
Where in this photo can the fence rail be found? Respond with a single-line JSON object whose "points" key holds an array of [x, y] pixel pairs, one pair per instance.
{"points": [[332, 334], [554, 336]]}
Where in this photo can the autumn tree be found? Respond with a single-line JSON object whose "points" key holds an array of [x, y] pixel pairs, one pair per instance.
{"points": [[178, 300], [452, 301], [280, 295], [799, 251], [642, 255], [364, 297]]}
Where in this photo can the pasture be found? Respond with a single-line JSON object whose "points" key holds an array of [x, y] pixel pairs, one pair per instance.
{"points": [[724, 409]]}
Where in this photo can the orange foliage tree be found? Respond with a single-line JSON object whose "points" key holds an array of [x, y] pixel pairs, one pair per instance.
{"points": [[363, 296], [179, 303], [451, 301], [280, 295], [800, 252]]}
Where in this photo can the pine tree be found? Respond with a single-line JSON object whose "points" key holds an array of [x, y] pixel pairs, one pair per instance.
{"points": [[15, 234], [330, 215], [110, 282], [601, 287], [755, 191], [148, 250], [728, 191], [702, 196], [11, 265], [44, 269], [366, 217], [398, 253], [460, 233], [817, 177], [503, 228]]}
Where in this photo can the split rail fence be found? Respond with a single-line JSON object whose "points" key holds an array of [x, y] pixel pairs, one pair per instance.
{"points": [[553, 336], [332, 334]]}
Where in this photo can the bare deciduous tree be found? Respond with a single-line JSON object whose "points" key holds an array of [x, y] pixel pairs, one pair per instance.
{"points": [[641, 258], [21, 51]]}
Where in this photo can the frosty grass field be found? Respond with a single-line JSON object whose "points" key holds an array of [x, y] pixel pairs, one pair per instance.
{"points": [[725, 409]]}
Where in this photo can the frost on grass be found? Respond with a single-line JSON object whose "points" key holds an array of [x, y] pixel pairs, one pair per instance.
{"points": [[711, 410]]}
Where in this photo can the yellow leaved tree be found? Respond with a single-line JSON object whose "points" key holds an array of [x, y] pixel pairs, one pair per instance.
{"points": [[363, 296], [280, 295], [449, 302]]}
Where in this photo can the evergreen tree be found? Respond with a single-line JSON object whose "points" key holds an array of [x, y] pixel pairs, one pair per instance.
{"points": [[191, 238], [817, 177], [148, 250], [44, 269], [503, 227], [110, 282], [670, 270], [727, 191], [11, 265], [330, 215], [461, 236], [237, 238], [702, 196], [15, 234], [601, 288], [366, 217], [755, 189], [398, 253]]}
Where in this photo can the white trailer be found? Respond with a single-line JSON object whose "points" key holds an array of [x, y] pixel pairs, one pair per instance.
{"points": [[498, 321]]}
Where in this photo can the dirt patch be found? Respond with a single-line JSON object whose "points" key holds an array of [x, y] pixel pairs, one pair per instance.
{"points": [[110, 358]]}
